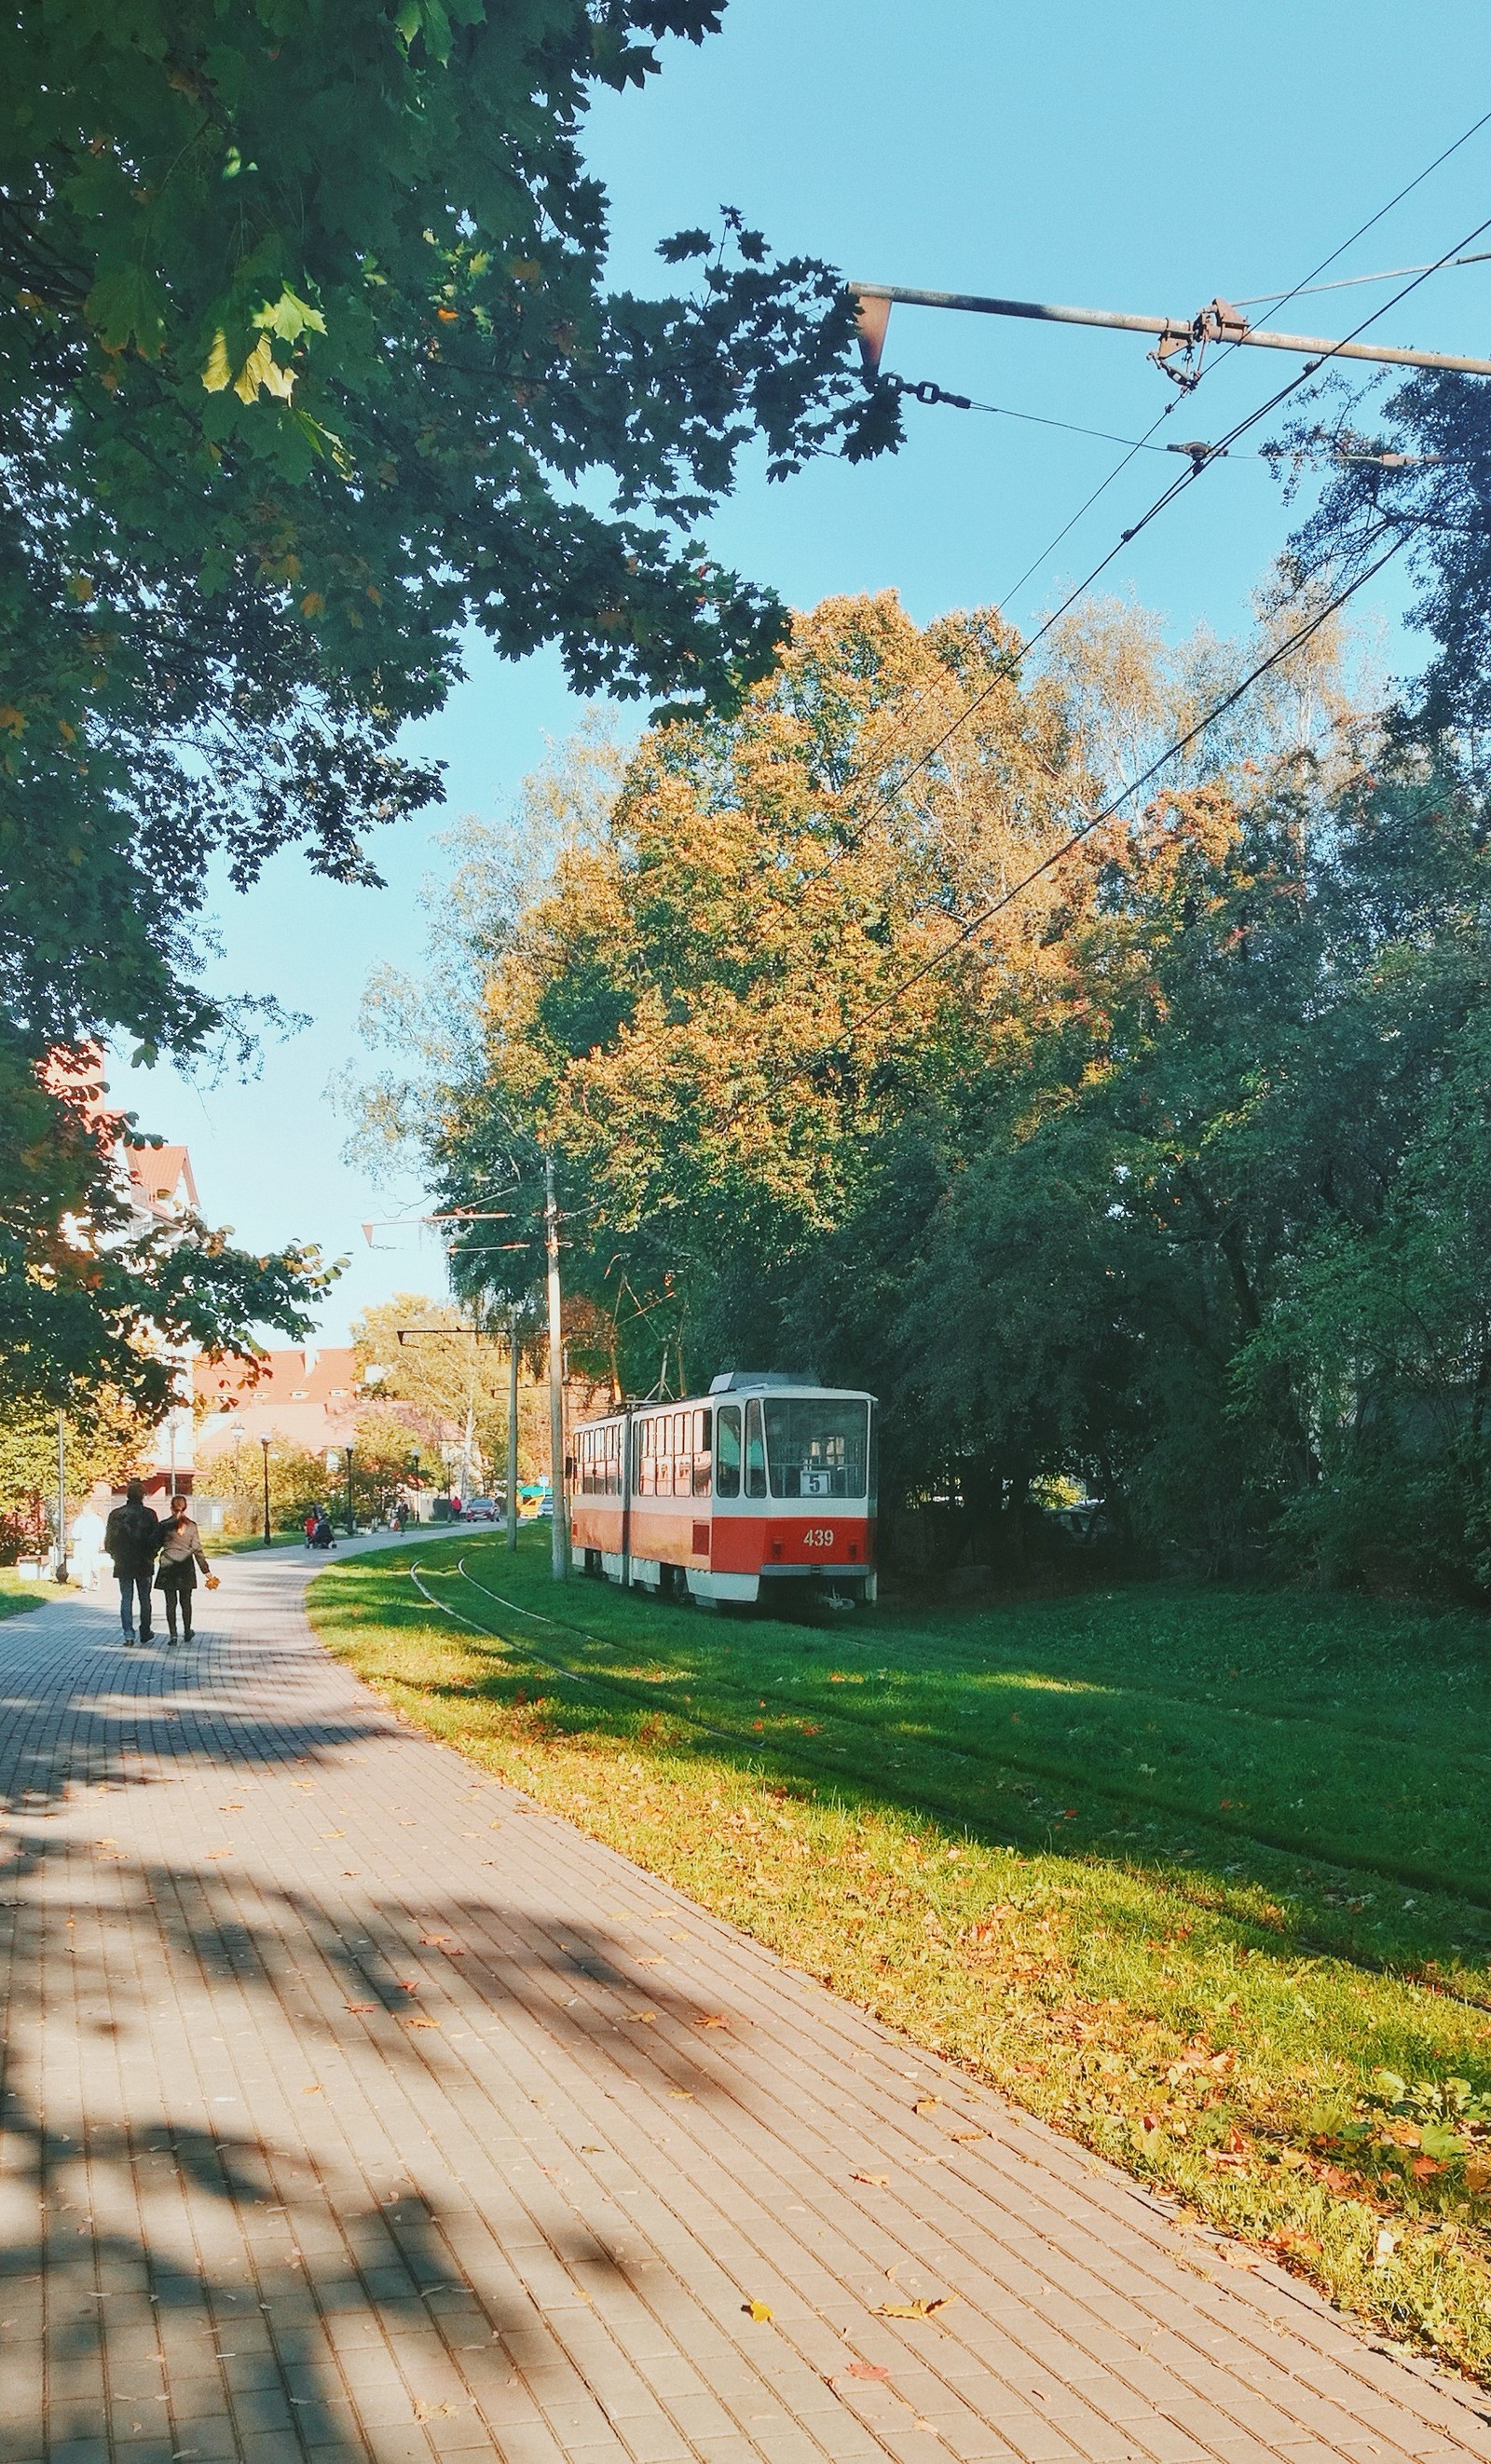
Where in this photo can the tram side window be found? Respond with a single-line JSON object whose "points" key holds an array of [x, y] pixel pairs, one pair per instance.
{"points": [[728, 1458], [647, 1466], [755, 1452], [701, 1452]]}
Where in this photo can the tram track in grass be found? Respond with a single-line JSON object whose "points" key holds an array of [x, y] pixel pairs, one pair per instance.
{"points": [[1202, 2007], [1003, 1819], [1071, 1774]]}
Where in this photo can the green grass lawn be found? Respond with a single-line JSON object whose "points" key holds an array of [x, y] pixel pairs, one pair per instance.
{"points": [[15, 1596], [1186, 1871]]}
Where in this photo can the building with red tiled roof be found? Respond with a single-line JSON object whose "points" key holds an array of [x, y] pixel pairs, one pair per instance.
{"points": [[162, 1189], [160, 1180], [311, 1400]]}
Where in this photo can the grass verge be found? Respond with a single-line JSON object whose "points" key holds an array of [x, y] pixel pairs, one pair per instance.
{"points": [[1202, 1878], [15, 1596]]}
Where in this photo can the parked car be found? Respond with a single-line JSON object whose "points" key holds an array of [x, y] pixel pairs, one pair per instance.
{"points": [[484, 1509]]}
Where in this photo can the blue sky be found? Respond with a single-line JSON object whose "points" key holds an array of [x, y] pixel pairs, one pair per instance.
{"points": [[1145, 159]]}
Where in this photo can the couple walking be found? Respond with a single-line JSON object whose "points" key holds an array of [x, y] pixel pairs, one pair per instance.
{"points": [[135, 1537]]}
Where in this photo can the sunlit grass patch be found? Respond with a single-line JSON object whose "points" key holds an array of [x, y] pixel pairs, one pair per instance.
{"points": [[1214, 2006], [16, 1596]]}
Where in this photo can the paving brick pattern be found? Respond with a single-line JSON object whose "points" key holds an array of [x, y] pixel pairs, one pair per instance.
{"points": [[356, 2109]]}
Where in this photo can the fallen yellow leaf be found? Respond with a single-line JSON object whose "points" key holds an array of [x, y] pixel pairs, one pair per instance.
{"points": [[757, 2309], [879, 2181]]}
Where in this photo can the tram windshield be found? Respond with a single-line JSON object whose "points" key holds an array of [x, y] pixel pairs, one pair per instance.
{"points": [[818, 1446]]}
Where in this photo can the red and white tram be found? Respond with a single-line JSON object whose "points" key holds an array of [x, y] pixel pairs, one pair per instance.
{"points": [[769, 1480]]}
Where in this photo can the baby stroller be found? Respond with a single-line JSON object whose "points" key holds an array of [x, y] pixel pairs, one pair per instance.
{"points": [[322, 1536]]}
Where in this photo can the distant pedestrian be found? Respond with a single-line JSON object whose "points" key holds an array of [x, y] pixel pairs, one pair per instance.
{"points": [[180, 1555], [312, 1518], [131, 1537], [86, 1549]]}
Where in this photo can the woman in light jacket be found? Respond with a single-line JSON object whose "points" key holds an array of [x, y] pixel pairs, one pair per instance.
{"points": [[180, 1555]]}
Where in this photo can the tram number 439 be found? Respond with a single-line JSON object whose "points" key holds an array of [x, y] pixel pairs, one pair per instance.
{"points": [[818, 1536]]}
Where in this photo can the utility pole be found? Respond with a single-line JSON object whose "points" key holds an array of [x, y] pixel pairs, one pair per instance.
{"points": [[556, 1381], [512, 1426]]}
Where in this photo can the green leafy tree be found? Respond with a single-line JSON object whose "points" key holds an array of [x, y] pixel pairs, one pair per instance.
{"points": [[308, 371], [297, 1481], [453, 1386], [308, 367], [93, 1292], [1171, 1181], [1416, 468]]}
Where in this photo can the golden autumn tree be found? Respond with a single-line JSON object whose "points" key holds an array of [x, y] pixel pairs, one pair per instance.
{"points": [[708, 1018]]}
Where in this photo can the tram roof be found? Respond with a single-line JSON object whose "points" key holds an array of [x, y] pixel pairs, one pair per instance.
{"points": [[735, 1382]]}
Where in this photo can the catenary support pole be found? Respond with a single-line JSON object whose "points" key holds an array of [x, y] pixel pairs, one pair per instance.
{"points": [[512, 1428], [558, 1486], [1218, 323]]}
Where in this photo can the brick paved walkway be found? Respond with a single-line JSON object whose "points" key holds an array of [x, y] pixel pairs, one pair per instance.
{"points": [[354, 2109]]}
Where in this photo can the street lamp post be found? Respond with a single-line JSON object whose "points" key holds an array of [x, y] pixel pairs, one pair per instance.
{"points": [[268, 1537], [351, 1511], [59, 1568]]}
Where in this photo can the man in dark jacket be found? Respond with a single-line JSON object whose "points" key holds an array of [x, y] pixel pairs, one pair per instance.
{"points": [[131, 1537]]}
